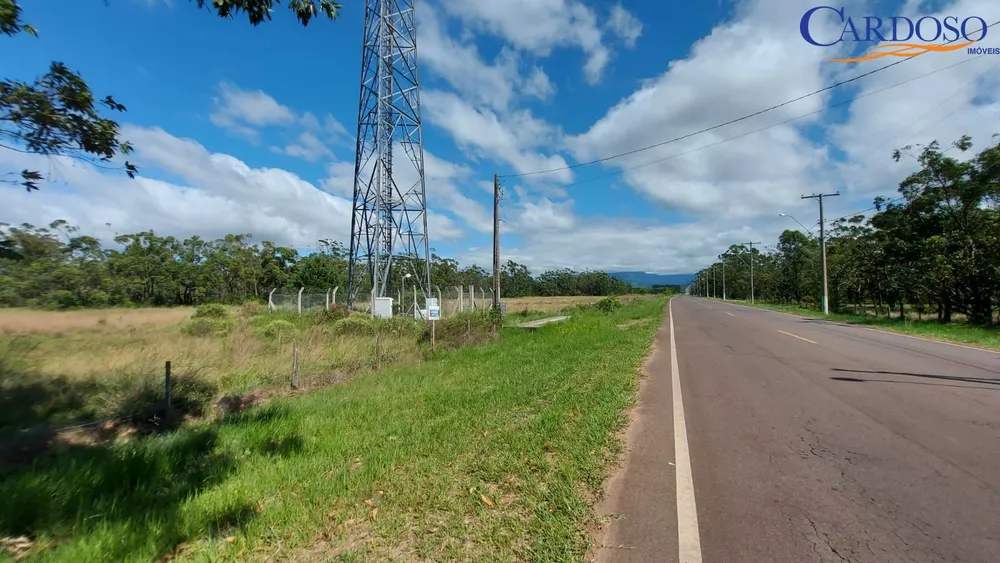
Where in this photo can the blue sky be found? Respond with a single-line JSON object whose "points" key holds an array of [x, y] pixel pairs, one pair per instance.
{"points": [[244, 129]]}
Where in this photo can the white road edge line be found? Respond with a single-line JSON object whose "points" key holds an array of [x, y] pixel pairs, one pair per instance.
{"points": [[688, 538], [730, 314]]}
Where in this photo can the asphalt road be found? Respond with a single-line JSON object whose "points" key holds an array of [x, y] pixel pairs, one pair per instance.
{"points": [[809, 441]]}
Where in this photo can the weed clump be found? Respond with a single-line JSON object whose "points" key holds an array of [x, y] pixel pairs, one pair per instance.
{"points": [[609, 304], [357, 324], [250, 308], [464, 329], [398, 326], [206, 326], [278, 330], [331, 315], [210, 311]]}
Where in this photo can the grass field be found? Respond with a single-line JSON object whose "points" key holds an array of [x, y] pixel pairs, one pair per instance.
{"points": [[54, 322], [518, 304], [479, 453], [62, 368], [956, 331], [66, 368]]}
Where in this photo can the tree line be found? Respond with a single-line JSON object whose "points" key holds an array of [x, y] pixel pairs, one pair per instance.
{"points": [[933, 250], [59, 267]]}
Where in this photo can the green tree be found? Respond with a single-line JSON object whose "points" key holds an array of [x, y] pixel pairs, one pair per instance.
{"points": [[58, 114], [516, 280]]}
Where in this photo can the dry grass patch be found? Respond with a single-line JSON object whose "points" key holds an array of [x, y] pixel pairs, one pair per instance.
{"points": [[104, 320], [550, 304], [81, 366], [518, 304]]}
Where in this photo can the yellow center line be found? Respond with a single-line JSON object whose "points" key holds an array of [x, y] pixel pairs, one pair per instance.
{"points": [[730, 314], [797, 336]]}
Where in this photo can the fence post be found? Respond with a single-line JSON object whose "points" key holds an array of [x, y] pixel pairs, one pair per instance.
{"points": [[301, 289], [168, 386], [415, 308], [295, 364], [270, 301], [472, 296], [483, 293], [327, 299], [335, 295], [461, 304]]}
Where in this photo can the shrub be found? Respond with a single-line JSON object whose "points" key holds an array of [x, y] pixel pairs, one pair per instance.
{"points": [[211, 311], [250, 308], [398, 326], [357, 324], [608, 304], [279, 330], [334, 314]]}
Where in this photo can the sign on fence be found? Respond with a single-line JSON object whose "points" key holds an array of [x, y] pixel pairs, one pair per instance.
{"points": [[433, 310]]}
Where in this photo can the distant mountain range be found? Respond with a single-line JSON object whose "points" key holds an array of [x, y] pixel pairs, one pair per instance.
{"points": [[642, 279]]}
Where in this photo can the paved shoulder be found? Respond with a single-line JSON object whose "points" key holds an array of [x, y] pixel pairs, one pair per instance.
{"points": [[639, 504]]}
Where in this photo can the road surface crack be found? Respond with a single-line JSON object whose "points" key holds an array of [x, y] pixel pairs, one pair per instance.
{"points": [[825, 539]]}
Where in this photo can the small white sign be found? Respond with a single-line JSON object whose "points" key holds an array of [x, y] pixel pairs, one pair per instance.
{"points": [[433, 313], [432, 302]]}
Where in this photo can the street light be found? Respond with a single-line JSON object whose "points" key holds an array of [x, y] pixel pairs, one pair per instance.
{"points": [[808, 232]]}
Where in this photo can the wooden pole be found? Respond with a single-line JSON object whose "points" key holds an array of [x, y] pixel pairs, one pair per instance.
{"points": [[378, 359], [295, 364], [168, 387], [433, 325]]}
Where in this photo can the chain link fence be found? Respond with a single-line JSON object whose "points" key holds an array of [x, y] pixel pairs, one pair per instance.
{"points": [[451, 299], [300, 299]]}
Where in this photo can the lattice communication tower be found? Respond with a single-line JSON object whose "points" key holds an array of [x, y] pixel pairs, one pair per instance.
{"points": [[389, 222]]}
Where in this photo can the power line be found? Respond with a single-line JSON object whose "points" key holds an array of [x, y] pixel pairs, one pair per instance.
{"points": [[766, 127], [737, 120]]}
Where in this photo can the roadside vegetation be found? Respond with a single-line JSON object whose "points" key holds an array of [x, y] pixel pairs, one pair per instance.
{"points": [[114, 368], [478, 452], [932, 253], [956, 331]]}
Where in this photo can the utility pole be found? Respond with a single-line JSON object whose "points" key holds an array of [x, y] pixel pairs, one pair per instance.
{"points": [[714, 294], [722, 257], [750, 244], [822, 246], [496, 242]]}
